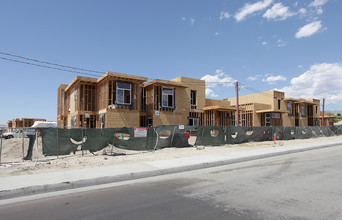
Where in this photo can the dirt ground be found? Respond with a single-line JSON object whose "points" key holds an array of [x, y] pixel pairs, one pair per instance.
{"points": [[13, 165]]}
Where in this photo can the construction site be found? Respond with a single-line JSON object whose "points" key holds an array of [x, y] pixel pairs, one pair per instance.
{"points": [[121, 100], [120, 113]]}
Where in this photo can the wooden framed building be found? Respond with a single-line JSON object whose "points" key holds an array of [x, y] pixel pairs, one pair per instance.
{"points": [[17, 123], [302, 112], [122, 100], [164, 103], [271, 108], [218, 113], [119, 100], [328, 119], [113, 100]]}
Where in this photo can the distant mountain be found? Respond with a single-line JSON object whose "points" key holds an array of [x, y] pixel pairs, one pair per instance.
{"points": [[3, 126]]}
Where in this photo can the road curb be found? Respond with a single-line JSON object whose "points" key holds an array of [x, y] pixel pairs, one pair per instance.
{"points": [[33, 190]]}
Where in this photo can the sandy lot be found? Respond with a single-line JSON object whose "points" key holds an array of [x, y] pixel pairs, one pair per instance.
{"points": [[13, 165]]}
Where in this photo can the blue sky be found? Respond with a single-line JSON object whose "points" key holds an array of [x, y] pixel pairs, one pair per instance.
{"points": [[292, 46]]}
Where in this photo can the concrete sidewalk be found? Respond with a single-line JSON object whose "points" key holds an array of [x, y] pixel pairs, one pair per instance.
{"points": [[24, 185]]}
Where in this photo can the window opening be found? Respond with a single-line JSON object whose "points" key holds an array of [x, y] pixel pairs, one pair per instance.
{"points": [[168, 97], [302, 110], [69, 104], [290, 108], [193, 97], [123, 93], [193, 121]]}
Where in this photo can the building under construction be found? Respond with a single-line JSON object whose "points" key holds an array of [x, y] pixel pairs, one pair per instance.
{"points": [[273, 109], [122, 100], [17, 123]]}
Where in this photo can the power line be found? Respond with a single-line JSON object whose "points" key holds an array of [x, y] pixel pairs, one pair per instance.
{"points": [[95, 71], [49, 63], [255, 90], [333, 105], [49, 67]]}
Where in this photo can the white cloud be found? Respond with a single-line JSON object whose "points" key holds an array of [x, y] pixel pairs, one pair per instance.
{"points": [[322, 80], [274, 79], [191, 20], [217, 33], [278, 12], [302, 11], [253, 78], [248, 9], [219, 79], [317, 3], [319, 11], [219, 72], [264, 43], [281, 43], [309, 29], [224, 15], [211, 93]]}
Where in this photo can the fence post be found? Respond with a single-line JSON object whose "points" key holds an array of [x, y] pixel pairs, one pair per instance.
{"points": [[57, 144], [37, 145], [173, 134], [111, 150], [82, 130], [0, 146], [23, 148], [156, 140]]}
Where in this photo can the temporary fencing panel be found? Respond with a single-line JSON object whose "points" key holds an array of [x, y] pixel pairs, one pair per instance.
{"points": [[97, 139], [338, 129], [237, 135], [285, 133], [210, 135], [64, 141], [258, 134], [167, 136], [57, 141], [32, 139], [279, 132], [316, 131], [303, 133], [328, 131], [333, 129], [124, 138]]}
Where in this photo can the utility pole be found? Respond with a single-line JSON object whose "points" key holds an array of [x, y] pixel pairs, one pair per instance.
{"points": [[323, 113], [237, 104]]}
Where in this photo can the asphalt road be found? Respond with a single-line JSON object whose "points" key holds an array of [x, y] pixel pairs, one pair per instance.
{"points": [[305, 185]]}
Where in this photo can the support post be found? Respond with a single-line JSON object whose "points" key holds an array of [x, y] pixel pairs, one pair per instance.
{"points": [[82, 142], [173, 134], [22, 144], [155, 147], [0, 146], [323, 113], [57, 144], [36, 146], [237, 104]]}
